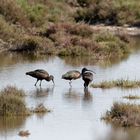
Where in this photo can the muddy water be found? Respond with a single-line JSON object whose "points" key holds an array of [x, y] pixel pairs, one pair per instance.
{"points": [[75, 113]]}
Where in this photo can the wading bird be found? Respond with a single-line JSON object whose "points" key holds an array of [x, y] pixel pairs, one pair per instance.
{"points": [[87, 76], [40, 74], [71, 75]]}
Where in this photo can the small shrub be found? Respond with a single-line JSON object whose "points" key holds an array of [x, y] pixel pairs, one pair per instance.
{"points": [[7, 31], [13, 91], [109, 12], [25, 133], [81, 30], [12, 102], [111, 45], [35, 11], [40, 109], [73, 51], [124, 114], [28, 44], [13, 13]]}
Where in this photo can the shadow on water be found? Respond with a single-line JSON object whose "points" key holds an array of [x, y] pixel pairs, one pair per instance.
{"points": [[10, 124]]}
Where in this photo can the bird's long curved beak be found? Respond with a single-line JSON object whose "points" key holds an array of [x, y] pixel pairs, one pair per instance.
{"points": [[53, 81]]}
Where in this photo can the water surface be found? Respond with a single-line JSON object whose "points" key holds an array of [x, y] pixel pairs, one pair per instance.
{"points": [[76, 113]]}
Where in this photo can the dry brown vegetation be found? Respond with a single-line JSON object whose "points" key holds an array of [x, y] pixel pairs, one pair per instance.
{"points": [[110, 12], [124, 114], [40, 109], [132, 97], [80, 39], [12, 102], [117, 83], [49, 27], [25, 133]]}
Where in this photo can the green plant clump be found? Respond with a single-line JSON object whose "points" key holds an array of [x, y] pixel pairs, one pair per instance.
{"points": [[12, 102]]}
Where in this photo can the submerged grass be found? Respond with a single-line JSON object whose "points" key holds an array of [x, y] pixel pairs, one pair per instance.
{"points": [[12, 102], [118, 83], [124, 114]]}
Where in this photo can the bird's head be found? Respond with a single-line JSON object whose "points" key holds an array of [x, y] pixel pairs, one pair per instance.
{"points": [[85, 70], [51, 77]]}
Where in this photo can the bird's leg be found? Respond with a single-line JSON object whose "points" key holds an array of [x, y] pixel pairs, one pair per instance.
{"points": [[70, 83], [40, 82], [36, 82], [85, 86]]}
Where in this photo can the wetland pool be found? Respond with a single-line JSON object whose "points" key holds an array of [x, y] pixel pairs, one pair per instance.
{"points": [[76, 114]]}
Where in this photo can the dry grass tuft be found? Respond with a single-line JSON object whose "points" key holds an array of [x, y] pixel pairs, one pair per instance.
{"points": [[124, 114], [132, 97], [118, 83], [12, 102], [25, 133], [40, 109]]}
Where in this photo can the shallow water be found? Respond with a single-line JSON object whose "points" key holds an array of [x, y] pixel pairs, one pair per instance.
{"points": [[76, 114]]}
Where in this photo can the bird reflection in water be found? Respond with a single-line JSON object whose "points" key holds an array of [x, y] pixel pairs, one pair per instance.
{"points": [[75, 96], [72, 96], [41, 92], [87, 95]]}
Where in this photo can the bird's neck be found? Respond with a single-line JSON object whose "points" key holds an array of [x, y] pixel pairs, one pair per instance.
{"points": [[48, 78]]}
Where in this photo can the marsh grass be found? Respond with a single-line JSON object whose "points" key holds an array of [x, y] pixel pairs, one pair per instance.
{"points": [[118, 83], [109, 12], [48, 27], [132, 97], [12, 102], [124, 114], [79, 40]]}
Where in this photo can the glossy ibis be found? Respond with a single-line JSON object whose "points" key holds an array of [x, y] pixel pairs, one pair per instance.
{"points": [[87, 76], [71, 75], [40, 74]]}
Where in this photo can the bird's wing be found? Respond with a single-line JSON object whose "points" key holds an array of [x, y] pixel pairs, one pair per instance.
{"points": [[72, 74], [76, 74], [41, 73]]}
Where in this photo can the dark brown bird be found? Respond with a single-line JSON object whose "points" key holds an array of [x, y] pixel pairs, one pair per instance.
{"points": [[40, 74], [87, 76], [71, 75]]}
